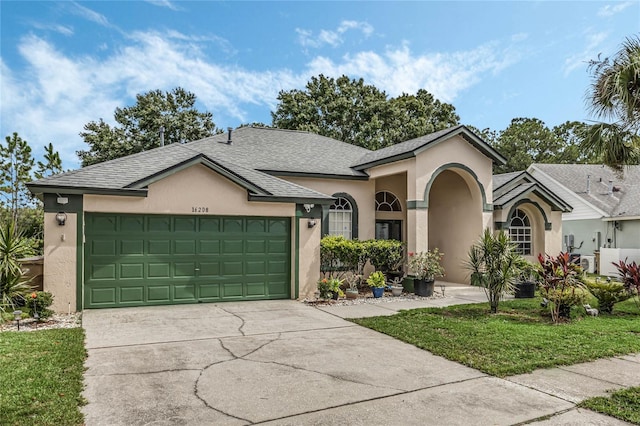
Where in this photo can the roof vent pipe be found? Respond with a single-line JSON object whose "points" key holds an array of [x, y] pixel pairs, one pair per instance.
{"points": [[588, 184], [229, 138], [610, 192], [161, 135]]}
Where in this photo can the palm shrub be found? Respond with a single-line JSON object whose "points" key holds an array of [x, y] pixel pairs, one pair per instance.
{"points": [[494, 265], [13, 285], [630, 276], [561, 284], [608, 294]]}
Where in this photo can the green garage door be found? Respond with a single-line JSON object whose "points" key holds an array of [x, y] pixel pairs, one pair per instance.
{"points": [[135, 260]]}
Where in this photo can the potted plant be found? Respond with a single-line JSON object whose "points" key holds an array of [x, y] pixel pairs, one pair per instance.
{"points": [[527, 282], [377, 282], [352, 290], [329, 288], [425, 266], [396, 286]]}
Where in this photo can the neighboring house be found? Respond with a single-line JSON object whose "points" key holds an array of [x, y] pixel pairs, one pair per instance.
{"points": [[240, 216], [606, 209]]}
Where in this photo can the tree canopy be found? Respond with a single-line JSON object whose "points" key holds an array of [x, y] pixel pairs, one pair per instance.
{"points": [[529, 140], [615, 95], [138, 126], [360, 114]]}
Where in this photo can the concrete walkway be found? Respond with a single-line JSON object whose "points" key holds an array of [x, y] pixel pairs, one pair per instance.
{"points": [[285, 363]]}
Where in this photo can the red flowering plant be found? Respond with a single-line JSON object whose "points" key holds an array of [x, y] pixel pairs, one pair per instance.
{"points": [[630, 276]]}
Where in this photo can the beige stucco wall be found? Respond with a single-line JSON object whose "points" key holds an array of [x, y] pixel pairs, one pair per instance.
{"points": [[60, 261], [363, 192], [309, 265], [544, 241], [197, 186]]}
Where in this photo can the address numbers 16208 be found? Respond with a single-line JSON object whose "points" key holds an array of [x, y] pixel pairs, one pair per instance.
{"points": [[199, 209]]}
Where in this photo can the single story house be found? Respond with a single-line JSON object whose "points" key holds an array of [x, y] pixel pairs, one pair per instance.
{"points": [[605, 221], [239, 216]]}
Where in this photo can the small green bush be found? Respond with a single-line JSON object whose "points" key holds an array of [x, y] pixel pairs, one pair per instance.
{"points": [[377, 279], [328, 287], [608, 294], [385, 255], [39, 301]]}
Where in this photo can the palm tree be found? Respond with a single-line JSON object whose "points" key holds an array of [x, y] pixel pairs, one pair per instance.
{"points": [[615, 95]]}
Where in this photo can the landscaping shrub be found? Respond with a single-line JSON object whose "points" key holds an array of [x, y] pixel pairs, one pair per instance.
{"points": [[561, 285], [385, 255], [339, 256], [13, 286], [608, 294], [630, 277], [494, 265], [39, 301]]}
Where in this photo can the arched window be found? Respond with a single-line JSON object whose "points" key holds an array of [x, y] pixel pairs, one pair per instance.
{"points": [[341, 218], [387, 202], [520, 232]]}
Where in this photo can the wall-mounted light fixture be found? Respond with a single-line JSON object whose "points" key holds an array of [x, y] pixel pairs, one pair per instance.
{"points": [[61, 217], [311, 223], [308, 207]]}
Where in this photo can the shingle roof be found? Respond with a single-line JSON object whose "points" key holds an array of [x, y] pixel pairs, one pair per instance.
{"points": [[131, 173], [407, 149], [509, 187], [287, 151], [625, 199]]}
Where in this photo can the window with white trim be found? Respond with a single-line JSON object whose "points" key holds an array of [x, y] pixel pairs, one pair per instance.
{"points": [[341, 218], [387, 202], [520, 232]]}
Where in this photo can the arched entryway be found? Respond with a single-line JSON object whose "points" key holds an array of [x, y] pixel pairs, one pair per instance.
{"points": [[455, 204]]}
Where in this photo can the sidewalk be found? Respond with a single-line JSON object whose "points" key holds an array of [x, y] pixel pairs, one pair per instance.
{"points": [[573, 383]]}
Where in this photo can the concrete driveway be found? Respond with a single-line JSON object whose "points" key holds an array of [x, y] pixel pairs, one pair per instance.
{"points": [[280, 362]]}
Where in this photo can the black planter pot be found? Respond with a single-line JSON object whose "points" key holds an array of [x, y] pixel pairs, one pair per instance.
{"points": [[525, 290], [423, 288]]}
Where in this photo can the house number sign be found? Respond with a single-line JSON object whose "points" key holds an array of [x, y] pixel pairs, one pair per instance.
{"points": [[199, 209]]}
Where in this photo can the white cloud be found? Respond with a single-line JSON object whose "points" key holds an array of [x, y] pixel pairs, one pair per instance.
{"points": [[64, 30], [332, 37], [163, 3], [610, 10], [56, 94], [580, 59], [89, 14]]}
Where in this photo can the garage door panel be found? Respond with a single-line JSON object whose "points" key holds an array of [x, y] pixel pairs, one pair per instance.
{"points": [[232, 290], [132, 247], [209, 247], [184, 224], [184, 247], [159, 246], [184, 269], [102, 296], [209, 224], [159, 270], [131, 224], [158, 224], [232, 246], [209, 291], [158, 293], [102, 248], [184, 292], [132, 295], [132, 271], [103, 271], [133, 260], [209, 269]]}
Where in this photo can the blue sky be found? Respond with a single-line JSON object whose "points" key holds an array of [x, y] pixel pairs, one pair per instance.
{"points": [[66, 63]]}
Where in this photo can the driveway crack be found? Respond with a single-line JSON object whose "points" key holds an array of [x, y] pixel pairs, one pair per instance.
{"points": [[240, 329]]}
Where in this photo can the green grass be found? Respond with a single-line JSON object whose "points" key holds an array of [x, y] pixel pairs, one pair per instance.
{"points": [[623, 404], [519, 339], [41, 377]]}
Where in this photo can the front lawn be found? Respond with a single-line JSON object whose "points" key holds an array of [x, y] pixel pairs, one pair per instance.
{"points": [[623, 404], [41, 377], [518, 339]]}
